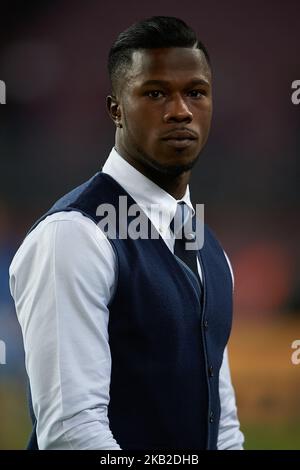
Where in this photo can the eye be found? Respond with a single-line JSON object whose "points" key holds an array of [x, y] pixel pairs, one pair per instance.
{"points": [[155, 94], [197, 93]]}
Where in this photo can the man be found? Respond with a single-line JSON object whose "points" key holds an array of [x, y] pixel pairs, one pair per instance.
{"points": [[125, 340]]}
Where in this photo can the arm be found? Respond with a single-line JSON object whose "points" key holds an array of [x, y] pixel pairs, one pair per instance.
{"points": [[62, 279], [230, 437]]}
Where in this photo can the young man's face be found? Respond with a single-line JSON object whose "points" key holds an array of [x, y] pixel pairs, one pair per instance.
{"points": [[165, 108]]}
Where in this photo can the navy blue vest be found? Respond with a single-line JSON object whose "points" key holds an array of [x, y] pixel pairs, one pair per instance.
{"points": [[166, 342]]}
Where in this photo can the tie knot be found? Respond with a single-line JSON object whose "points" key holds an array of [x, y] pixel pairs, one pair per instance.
{"points": [[181, 224]]}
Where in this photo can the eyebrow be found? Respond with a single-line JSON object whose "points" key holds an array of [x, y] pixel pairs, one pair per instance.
{"points": [[191, 83]]}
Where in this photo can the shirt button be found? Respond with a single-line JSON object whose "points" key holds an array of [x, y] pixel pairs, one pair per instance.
{"points": [[211, 371], [211, 417], [190, 236]]}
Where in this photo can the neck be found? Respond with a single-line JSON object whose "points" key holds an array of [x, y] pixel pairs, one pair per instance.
{"points": [[174, 185]]}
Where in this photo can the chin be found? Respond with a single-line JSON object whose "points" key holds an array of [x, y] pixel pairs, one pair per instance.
{"points": [[173, 164], [177, 167]]}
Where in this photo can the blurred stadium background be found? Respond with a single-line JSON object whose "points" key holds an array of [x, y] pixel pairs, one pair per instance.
{"points": [[54, 133]]}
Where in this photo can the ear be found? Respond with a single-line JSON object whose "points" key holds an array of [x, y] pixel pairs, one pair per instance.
{"points": [[114, 109]]}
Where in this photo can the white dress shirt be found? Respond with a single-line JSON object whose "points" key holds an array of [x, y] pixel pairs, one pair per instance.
{"points": [[62, 279]]}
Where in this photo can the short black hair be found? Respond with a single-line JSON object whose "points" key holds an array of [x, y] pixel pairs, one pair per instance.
{"points": [[151, 33]]}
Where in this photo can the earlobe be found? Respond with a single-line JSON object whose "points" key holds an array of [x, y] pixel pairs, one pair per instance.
{"points": [[114, 110]]}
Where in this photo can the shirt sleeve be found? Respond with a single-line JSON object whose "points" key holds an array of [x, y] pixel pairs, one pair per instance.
{"points": [[230, 269], [62, 279], [230, 437]]}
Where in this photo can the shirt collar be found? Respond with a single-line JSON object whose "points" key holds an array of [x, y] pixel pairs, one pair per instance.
{"points": [[159, 206]]}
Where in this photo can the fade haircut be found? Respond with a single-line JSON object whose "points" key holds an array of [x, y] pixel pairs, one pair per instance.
{"points": [[151, 33]]}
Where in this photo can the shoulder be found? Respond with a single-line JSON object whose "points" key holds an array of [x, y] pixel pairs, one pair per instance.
{"points": [[68, 233]]}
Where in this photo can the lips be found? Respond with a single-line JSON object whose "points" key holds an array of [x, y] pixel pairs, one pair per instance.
{"points": [[180, 138], [179, 135]]}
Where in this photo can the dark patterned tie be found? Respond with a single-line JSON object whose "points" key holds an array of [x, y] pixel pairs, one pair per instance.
{"points": [[189, 257]]}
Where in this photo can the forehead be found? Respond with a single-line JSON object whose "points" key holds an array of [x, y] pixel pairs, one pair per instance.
{"points": [[168, 64]]}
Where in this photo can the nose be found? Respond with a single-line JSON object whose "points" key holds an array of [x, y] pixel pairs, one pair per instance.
{"points": [[177, 110]]}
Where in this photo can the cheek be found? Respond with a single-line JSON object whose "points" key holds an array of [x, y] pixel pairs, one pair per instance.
{"points": [[142, 125], [204, 119], [134, 117]]}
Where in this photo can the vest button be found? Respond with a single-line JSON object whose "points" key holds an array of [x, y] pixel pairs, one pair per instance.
{"points": [[205, 324], [211, 417], [211, 371]]}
